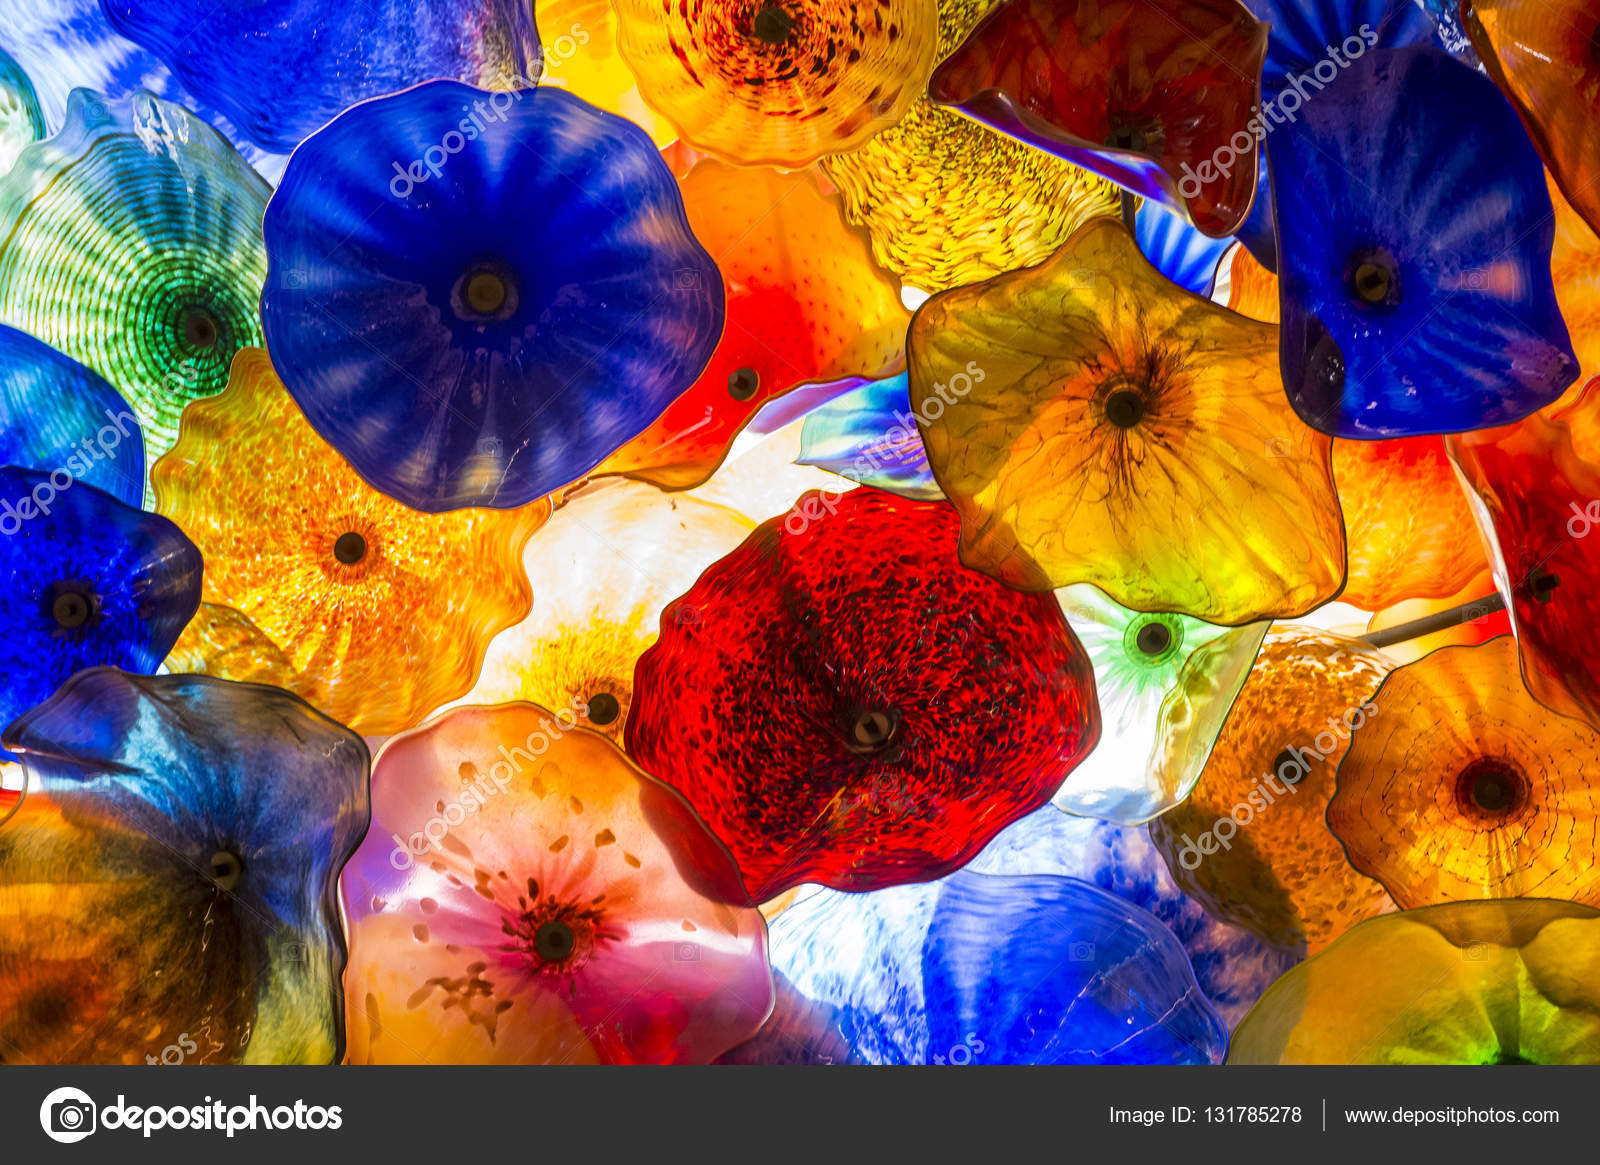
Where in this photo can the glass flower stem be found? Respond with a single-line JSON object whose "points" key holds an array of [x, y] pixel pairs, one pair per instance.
{"points": [[1438, 621]]}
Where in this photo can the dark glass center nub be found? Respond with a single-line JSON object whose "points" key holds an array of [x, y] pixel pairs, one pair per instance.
{"points": [[226, 869], [773, 24], [1126, 138], [604, 708], [1494, 791], [70, 609], [1154, 638], [199, 329], [1491, 788], [742, 384], [554, 941], [350, 548], [1371, 282], [1125, 408], [874, 729]]}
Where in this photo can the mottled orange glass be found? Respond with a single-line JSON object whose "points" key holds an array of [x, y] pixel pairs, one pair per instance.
{"points": [[1471, 789], [382, 612], [603, 569], [1252, 289], [579, 38], [527, 896], [1575, 271], [1408, 523], [805, 302], [758, 82], [1095, 423], [1542, 54], [1145, 92], [1273, 867]]}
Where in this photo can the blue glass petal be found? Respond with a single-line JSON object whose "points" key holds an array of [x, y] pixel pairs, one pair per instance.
{"points": [[87, 580], [1046, 970], [477, 300], [57, 414], [870, 436], [197, 828], [281, 69], [1307, 32], [1259, 234], [21, 119], [1414, 259], [1177, 250]]}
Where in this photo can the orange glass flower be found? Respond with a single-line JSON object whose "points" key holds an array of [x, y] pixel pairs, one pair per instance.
{"points": [[1472, 789], [1542, 55], [778, 82], [1252, 289], [1407, 520], [1575, 271], [1250, 843], [1095, 423], [382, 612], [805, 302], [579, 39], [630, 549], [527, 896]]}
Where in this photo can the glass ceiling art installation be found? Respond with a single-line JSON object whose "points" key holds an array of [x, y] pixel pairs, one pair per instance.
{"points": [[800, 532]]}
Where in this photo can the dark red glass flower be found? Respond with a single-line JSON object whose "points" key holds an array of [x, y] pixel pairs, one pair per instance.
{"points": [[843, 702], [1157, 95]]}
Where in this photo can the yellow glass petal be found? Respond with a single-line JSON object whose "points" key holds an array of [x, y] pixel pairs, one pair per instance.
{"points": [[579, 38]]}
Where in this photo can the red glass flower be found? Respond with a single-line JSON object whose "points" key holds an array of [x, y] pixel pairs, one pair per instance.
{"points": [[843, 702], [1157, 95]]}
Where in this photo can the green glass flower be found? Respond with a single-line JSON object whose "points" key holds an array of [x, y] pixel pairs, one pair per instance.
{"points": [[1166, 683], [131, 240], [21, 121]]}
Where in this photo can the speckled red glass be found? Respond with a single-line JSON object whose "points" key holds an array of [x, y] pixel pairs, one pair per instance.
{"points": [[843, 702]]}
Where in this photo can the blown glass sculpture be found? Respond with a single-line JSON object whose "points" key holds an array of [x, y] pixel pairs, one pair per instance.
{"points": [[805, 302], [281, 69], [1473, 790], [476, 298], [870, 436], [527, 896], [891, 710], [1165, 684], [171, 874], [778, 84], [1250, 843], [131, 241], [581, 55], [1094, 423], [1396, 329], [381, 612], [1179, 251], [1143, 92], [636, 549], [58, 417], [88, 580], [1505, 982], [21, 120]]}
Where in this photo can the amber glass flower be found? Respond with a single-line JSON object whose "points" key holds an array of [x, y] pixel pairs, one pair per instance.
{"points": [[1094, 423], [1148, 93], [948, 201], [1250, 844], [603, 569], [778, 82], [1508, 982], [382, 611], [804, 302], [1543, 54], [580, 55], [527, 896], [1471, 789]]}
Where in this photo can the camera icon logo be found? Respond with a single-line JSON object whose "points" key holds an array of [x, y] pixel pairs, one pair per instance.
{"points": [[67, 1115], [686, 952]]}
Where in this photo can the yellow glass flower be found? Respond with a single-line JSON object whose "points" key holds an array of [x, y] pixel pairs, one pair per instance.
{"points": [[778, 82], [381, 612], [579, 38], [1094, 423], [948, 201]]}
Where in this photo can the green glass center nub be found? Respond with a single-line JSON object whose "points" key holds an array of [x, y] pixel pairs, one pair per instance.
{"points": [[1154, 638], [554, 942], [71, 609], [604, 708], [1510, 1058], [1125, 408], [742, 384], [1372, 282], [486, 293], [226, 869], [199, 329], [773, 24], [350, 548], [874, 729]]}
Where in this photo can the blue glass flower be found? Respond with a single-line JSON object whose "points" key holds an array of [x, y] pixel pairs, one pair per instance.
{"points": [[87, 580], [858, 957], [870, 436], [1179, 251], [1414, 258], [281, 69], [55, 414], [475, 298], [187, 834]]}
